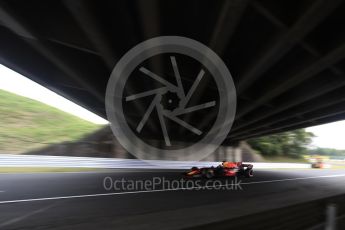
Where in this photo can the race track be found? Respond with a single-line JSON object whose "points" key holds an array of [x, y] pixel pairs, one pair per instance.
{"points": [[80, 201]]}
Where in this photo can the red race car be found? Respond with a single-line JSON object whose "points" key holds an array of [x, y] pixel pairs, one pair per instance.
{"points": [[226, 169]]}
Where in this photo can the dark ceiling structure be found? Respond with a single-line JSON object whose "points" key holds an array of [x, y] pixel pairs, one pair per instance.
{"points": [[287, 58]]}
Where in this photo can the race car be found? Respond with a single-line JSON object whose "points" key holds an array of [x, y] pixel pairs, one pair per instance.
{"points": [[226, 169], [318, 164]]}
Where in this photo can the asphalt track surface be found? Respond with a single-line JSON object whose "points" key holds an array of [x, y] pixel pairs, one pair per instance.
{"points": [[80, 201]]}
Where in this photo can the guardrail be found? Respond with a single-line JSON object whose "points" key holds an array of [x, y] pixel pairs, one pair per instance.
{"points": [[7, 160]]}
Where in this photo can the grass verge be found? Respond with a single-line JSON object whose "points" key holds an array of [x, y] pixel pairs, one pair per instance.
{"points": [[27, 124]]}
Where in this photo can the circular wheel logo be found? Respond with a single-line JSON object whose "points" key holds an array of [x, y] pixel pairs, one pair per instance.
{"points": [[173, 91]]}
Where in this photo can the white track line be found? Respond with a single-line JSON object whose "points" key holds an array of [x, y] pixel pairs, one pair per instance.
{"points": [[83, 196], [292, 179], [161, 190]]}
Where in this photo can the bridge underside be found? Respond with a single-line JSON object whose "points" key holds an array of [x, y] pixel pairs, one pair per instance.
{"points": [[286, 57]]}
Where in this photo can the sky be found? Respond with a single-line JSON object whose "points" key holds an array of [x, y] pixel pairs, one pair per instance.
{"points": [[327, 136], [331, 135], [18, 84]]}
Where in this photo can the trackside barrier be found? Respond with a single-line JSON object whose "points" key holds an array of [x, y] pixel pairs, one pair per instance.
{"points": [[8, 160]]}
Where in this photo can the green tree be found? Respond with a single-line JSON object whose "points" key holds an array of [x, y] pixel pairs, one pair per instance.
{"points": [[327, 152], [292, 143]]}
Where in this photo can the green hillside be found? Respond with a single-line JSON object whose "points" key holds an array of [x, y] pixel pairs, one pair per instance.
{"points": [[27, 124]]}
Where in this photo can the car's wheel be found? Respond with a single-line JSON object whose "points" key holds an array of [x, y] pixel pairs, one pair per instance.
{"points": [[240, 173], [248, 173], [203, 172], [209, 174], [219, 171], [194, 168]]}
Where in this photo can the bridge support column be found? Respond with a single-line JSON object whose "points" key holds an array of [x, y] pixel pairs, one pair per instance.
{"points": [[237, 154]]}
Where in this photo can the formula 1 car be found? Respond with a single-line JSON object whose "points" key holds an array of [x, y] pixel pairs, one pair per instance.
{"points": [[318, 164], [237, 169]]}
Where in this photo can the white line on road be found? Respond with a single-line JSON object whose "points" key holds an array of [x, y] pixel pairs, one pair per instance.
{"points": [[162, 190], [22, 217], [83, 196], [291, 179]]}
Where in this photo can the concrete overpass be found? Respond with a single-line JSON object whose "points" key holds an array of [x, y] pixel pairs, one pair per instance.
{"points": [[286, 57]]}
